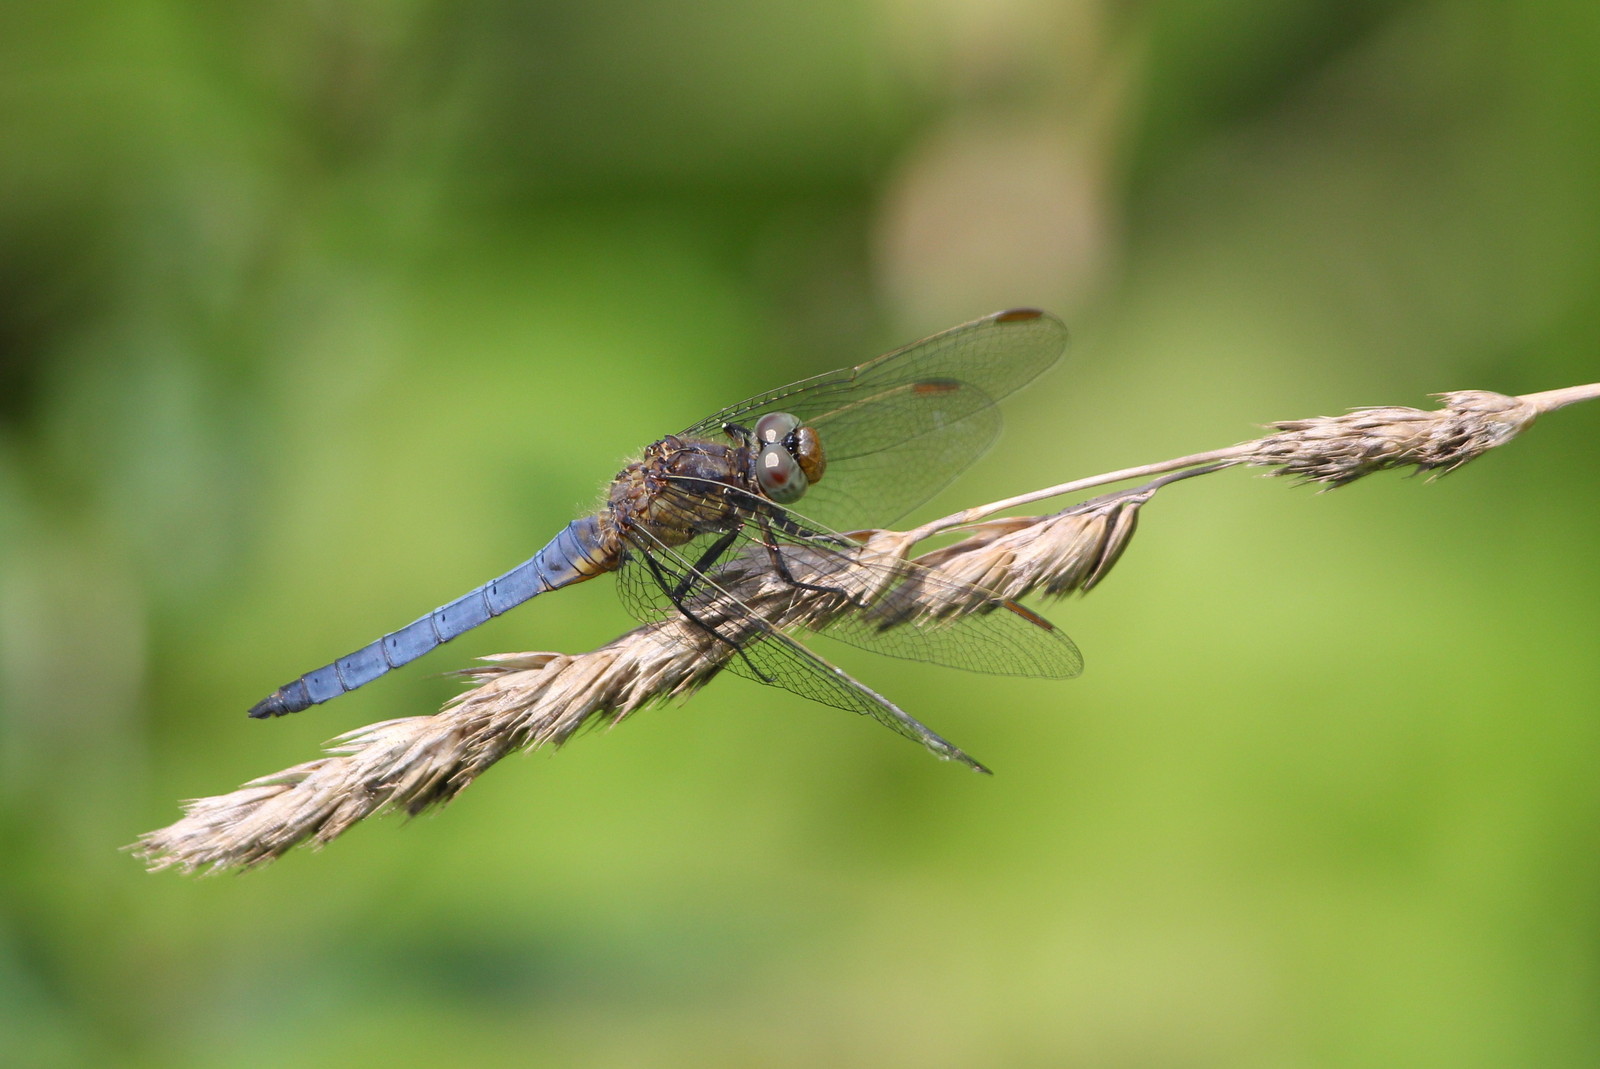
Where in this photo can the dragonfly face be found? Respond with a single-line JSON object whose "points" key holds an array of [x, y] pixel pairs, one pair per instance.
{"points": [[746, 503], [791, 457]]}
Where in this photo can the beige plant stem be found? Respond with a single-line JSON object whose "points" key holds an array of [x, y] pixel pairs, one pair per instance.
{"points": [[528, 700]]}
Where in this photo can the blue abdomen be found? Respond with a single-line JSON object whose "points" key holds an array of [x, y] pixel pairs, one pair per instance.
{"points": [[576, 554]]}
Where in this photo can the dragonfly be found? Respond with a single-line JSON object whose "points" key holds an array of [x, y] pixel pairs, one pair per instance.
{"points": [[754, 496]]}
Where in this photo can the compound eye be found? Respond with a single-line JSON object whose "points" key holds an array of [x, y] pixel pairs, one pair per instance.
{"points": [[775, 427], [779, 474], [808, 452]]}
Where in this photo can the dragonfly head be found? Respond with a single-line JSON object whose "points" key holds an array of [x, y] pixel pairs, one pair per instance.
{"points": [[791, 457]]}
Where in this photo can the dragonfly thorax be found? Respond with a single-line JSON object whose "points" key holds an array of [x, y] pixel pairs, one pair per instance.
{"points": [[680, 488]]}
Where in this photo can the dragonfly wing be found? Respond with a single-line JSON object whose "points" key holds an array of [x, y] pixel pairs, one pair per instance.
{"points": [[653, 580], [793, 574], [878, 601], [997, 354], [780, 661], [898, 428], [874, 478]]}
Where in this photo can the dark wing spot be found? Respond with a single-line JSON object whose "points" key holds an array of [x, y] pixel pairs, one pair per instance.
{"points": [[1028, 615], [1017, 315]]}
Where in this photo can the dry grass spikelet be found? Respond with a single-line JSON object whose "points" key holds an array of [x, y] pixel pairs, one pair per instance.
{"points": [[1336, 450]]}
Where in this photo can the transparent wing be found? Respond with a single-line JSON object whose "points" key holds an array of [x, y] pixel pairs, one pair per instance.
{"points": [[898, 428], [759, 651], [793, 575], [880, 602]]}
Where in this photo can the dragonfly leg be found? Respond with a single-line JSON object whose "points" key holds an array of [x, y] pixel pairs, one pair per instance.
{"points": [[675, 595], [775, 553], [708, 558]]}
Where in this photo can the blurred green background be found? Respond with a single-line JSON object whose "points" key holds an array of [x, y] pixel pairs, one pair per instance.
{"points": [[315, 314]]}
